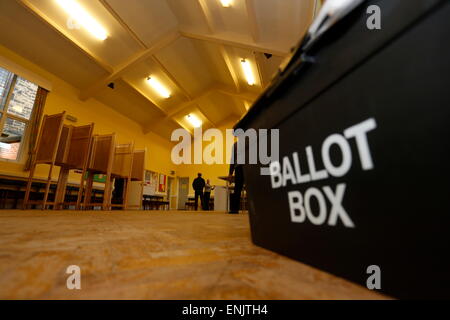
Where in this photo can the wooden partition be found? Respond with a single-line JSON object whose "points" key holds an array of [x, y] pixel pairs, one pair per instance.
{"points": [[75, 148], [122, 169], [60, 145], [73, 155], [46, 152], [138, 168], [137, 174], [100, 162]]}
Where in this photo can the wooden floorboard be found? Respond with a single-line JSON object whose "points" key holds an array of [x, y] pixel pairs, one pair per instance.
{"points": [[151, 255]]}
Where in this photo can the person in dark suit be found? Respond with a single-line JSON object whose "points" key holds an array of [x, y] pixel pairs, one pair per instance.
{"points": [[198, 185], [238, 170]]}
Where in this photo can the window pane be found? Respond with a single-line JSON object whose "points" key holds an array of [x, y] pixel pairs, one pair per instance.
{"points": [[5, 82], [11, 137], [22, 99]]}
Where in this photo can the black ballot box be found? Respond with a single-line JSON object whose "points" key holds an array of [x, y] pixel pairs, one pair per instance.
{"points": [[362, 183]]}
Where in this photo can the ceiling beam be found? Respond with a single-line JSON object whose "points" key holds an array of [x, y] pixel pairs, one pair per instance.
{"points": [[231, 70], [187, 104], [171, 77], [33, 9], [247, 96], [164, 41], [199, 107], [124, 25], [144, 95], [233, 42], [207, 15], [252, 20], [258, 60], [144, 46]]}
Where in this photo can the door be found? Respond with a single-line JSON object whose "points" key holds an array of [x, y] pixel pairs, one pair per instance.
{"points": [[172, 195], [183, 191]]}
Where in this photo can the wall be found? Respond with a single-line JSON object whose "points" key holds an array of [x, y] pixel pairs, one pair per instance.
{"points": [[65, 97]]}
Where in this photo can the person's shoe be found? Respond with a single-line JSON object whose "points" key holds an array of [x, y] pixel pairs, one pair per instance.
{"points": [[233, 212]]}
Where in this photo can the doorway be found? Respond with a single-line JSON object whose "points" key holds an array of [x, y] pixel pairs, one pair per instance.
{"points": [[183, 192], [172, 195]]}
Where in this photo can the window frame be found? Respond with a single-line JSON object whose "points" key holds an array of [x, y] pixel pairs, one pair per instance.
{"points": [[24, 145]]}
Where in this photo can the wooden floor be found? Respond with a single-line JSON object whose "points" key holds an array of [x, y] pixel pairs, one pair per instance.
{"points": [[151, 255]]}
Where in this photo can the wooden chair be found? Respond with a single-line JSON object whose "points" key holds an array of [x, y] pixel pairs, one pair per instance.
{"points": [[49, 146], [123, 168], [101, 161], [74, 157]]}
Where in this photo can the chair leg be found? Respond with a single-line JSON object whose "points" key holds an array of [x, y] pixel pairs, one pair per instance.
{"points": [[80, 190], [125, 193], [88, 191], [28, 190], [47, 187], [107, 193], [61, 188]]}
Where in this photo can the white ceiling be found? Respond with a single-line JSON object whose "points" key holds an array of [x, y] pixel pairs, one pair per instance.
{"points": [[193, 47]]}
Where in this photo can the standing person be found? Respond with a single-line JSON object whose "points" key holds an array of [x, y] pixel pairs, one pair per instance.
{"points": [[207, 195], [198, 184], [238, 170]]}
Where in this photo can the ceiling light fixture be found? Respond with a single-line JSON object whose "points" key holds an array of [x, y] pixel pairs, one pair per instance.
{"points": [[83, 18], [194, 121], [226, 3], [248, 72], [158, 87]]}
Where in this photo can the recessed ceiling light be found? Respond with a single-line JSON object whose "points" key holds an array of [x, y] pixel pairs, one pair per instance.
{"points": [[194, 121], [158, 87], [83, 18], [226, 3], [248, 72]]}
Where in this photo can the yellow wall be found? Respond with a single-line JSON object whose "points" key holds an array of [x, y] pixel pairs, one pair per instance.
{"points": [[65, 97]]}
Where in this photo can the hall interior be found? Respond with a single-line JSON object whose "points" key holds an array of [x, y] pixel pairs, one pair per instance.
{"points": [[137, 71]]}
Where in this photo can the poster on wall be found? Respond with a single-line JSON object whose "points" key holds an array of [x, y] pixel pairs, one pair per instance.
{"points": [[151, 183], [162, 183], [154, 182]]}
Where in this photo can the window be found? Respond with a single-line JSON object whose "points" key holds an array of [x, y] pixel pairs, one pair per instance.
{"points": [[17, 97]]}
